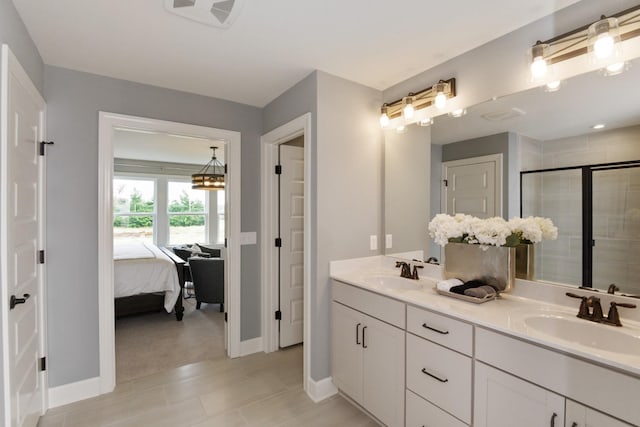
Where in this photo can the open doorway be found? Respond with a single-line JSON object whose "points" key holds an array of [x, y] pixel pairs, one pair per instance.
{"points": [[296, 132], [158, 216], [157, 219]]}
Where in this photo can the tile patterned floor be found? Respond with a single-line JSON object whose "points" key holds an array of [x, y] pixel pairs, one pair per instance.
{"points": [[257, 390]]}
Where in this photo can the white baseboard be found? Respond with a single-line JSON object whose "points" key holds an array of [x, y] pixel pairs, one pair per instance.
{"points": [[251, 346], [73, 392], [320, 390]]}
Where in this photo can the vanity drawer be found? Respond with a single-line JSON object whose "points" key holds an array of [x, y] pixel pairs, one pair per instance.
{"points": [[378, 306], [421, 413], [440, 329], [440, 375]]}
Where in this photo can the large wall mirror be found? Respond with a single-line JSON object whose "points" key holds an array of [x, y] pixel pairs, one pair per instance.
{"points": [[553, 133]]}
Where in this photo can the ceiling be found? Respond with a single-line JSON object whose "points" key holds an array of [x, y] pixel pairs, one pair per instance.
{"points": [[581, 102], [272, 44]]}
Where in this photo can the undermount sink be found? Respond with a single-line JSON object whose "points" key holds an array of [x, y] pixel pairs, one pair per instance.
{"points": [[580, 331], [393, 282]]}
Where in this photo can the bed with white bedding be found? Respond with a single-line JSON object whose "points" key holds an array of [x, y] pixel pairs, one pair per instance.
{"points": [[143, 268]]}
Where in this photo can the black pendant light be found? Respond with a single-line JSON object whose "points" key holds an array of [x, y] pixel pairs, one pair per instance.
{"points": [[211, 176]]}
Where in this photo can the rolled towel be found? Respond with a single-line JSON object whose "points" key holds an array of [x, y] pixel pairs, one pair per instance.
{"points": [[446, 285], [467, 285], [480, 292]]}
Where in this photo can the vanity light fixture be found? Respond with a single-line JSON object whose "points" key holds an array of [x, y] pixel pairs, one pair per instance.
{"points": [[409, 109], [211, 176], [601, 40]]}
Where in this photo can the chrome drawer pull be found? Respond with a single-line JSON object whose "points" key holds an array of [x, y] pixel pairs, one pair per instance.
{"points": [[424, 325], [424, 371]]}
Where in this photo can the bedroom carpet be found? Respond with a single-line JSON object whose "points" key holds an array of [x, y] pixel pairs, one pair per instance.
{"points": [[257, 390], [156, 342]]}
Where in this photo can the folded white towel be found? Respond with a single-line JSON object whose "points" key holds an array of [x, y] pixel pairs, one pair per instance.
{"points": [[446, 285]]}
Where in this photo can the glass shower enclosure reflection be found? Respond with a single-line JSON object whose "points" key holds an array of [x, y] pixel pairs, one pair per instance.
{"points": [[597, 211]]}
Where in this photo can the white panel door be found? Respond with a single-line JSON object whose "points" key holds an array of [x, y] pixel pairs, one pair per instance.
{"points": [[471, 188], [502, 400], [22, 129], [292, 250]]}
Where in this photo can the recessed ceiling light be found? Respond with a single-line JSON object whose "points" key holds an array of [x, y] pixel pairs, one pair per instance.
{"points": [[598, 126]]}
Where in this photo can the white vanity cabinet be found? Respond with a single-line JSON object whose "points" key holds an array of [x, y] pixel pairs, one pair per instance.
{"points": [[368, 357], [502, 400], [578, 415]]}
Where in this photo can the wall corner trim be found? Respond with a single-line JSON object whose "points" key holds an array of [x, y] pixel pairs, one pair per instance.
{"points": [[251, 346], [321, 390], [73, 392]]}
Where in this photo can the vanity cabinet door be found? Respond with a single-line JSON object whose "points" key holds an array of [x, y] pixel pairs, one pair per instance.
{"points": [[368, 363], [502, 400], [580, 416], [347, 350], [383, 371]]}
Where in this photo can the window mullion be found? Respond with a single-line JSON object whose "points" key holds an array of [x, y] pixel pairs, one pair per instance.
{"points": [[161, 226]]}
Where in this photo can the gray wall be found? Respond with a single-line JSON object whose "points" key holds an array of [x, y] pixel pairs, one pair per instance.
{"points": [[14, 34], [492, 144], [346, 196], [74, 100], [349, 193]]}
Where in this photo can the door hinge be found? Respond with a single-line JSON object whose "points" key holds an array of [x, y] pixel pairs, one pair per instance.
{"points": [[225, 242], [226, 317], [42, 144], [446, 182], [41, 257], [43, 364], [278, 315], [226, 169], [278, 242], [278, 169]]}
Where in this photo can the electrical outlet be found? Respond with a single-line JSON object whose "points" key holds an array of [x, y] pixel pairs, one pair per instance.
{"points": [[373, 242], [388, 241]]}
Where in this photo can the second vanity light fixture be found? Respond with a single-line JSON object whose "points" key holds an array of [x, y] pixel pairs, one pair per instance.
{"points": [[412, 108], [601, 40]]}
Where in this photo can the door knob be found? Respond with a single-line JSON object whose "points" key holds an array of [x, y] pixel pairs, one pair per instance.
{"points": [[15, 301]]}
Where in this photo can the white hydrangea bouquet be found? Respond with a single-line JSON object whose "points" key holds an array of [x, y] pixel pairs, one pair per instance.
{"points": [[494, 231]]}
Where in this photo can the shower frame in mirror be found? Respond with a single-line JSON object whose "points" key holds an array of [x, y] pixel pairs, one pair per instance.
{"points": [[586, 173]]}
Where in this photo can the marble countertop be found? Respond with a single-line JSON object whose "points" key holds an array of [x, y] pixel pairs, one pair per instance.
{"points": [[505, 314]]}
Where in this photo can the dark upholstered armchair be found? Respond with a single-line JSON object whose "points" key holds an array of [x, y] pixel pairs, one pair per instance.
{"points": [[207, 275]]}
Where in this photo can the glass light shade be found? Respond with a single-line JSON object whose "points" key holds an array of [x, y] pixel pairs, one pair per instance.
{"points": [[384, 119], [458, 112], [440, 100], [428, 121], [408, 110], [603, 38], [615, 68], [539, 66], [552, 86]]}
